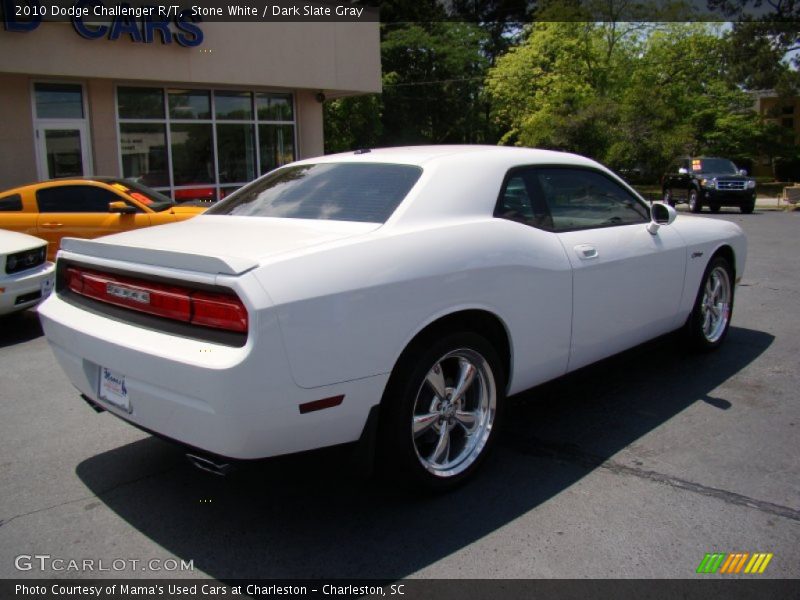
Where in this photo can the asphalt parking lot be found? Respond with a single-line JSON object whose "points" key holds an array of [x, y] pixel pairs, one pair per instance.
{"points": [[636, 467]]}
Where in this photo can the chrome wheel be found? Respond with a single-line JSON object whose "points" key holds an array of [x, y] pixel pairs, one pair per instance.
{"points": [[715, 306], [453, 413]]}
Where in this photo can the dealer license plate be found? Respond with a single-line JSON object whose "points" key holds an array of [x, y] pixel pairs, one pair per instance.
{"points": [[112, 389]]}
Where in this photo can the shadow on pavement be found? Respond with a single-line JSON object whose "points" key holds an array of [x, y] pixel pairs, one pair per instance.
{"points": [[311, 516], [20, 327]]}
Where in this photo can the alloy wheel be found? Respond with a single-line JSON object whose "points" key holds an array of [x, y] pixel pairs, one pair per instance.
{"points": [[454, 411]]}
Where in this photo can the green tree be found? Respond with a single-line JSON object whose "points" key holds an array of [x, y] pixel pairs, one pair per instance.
{"points": [[432, 75], [558, 89], [432, 91], [627, 95], [353, 122]]}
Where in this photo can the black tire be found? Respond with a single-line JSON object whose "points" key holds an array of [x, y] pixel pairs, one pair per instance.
{"points": [[701, 335], [695, 204], [748, 208], [714, 208], [409, 397], [667, 197]]}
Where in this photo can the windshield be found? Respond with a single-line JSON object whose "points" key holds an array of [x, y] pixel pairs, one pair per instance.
{"points": [[328, 191], [149, 197], [714, 165]]}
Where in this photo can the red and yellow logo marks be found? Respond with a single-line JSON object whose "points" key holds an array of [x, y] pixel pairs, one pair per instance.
{"points": [[735, 563]]}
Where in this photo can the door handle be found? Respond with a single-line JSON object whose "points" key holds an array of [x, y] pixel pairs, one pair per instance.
{"points": [[52, 225], [586, 251]]}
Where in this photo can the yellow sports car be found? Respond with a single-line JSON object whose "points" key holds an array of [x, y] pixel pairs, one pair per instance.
{"points": [[86, 208]]}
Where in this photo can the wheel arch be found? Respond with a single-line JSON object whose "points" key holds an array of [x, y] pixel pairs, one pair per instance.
{"points": [[477, 320], [727, 252]]}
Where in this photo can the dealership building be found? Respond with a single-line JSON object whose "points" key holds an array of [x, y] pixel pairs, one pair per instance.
{"points": [[194, 109]]}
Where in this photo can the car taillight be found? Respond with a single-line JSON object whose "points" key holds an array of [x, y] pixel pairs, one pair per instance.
{"points": [[220, 311], [206, 309]]}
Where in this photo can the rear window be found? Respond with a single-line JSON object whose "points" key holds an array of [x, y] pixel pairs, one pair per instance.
{"points": [[329, 191]]}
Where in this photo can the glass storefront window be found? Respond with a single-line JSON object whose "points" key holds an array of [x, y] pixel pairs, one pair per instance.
{"points": [[234, 105], [274, 107], [140, 103], [58, 101], [277, 146], [143, 147], [236, 153], [206, 143], [202, 194], [63, 148], [227, 190], [192, 157], [189, 104]]}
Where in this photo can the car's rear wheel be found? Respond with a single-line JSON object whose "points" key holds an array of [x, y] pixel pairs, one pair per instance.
{"points": [[694, 201], [748, 207], [442, 409], [667, 197], [710, 319]]}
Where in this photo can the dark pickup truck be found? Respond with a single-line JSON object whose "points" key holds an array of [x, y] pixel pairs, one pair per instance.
{"points": [[708, 181]]}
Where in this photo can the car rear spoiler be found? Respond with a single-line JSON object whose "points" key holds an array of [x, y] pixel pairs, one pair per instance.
{"points": [[219, 264]]}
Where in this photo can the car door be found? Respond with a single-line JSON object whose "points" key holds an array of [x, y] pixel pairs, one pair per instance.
{"points": [[627, 282], [82, 210]]}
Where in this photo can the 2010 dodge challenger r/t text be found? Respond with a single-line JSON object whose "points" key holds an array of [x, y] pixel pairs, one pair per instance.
{"points": [[398, 295]]}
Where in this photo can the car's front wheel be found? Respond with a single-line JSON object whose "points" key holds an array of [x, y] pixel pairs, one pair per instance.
{"points": [[694, 201], [667, 197], [442, 409], [710, 319], [748, 207]]}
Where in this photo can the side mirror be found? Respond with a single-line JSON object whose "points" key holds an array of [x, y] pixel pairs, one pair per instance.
{"points": [[660, 214], [121, 208], [683, 171], [743, 172]]}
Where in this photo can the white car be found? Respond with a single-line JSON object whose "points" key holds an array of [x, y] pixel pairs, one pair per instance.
{"points": [[396, 295], [26, 278]]}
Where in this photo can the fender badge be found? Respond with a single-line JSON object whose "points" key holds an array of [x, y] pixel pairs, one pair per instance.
{"points": [[697, 254]]}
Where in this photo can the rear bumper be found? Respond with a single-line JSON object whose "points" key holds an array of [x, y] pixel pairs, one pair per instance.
{"points": [[238, 403], [26, 289]]}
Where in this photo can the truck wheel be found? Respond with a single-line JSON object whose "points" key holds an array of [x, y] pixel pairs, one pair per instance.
{"points": [[694, 201]]}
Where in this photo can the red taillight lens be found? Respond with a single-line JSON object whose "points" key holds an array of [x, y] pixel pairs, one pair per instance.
{"points": [[74, 280], [218, 310], [206, 309]]}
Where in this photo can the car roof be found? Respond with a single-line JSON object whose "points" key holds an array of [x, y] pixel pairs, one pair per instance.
{"points": [[66, 181], [422, 155]]}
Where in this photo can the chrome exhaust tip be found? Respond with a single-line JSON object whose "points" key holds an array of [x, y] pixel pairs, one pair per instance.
{"points": [[209, 465]]}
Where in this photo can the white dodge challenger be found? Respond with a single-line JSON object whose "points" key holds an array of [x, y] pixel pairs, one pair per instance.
{"points": [[395, 295]]}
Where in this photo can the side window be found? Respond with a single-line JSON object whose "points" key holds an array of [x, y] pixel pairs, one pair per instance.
{"points": [[11, 203], [522, 200], [584, 199], [515, 204], [75, 199]]}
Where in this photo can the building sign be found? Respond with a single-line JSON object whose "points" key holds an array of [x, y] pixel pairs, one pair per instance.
{"points": [[93, 20]]}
